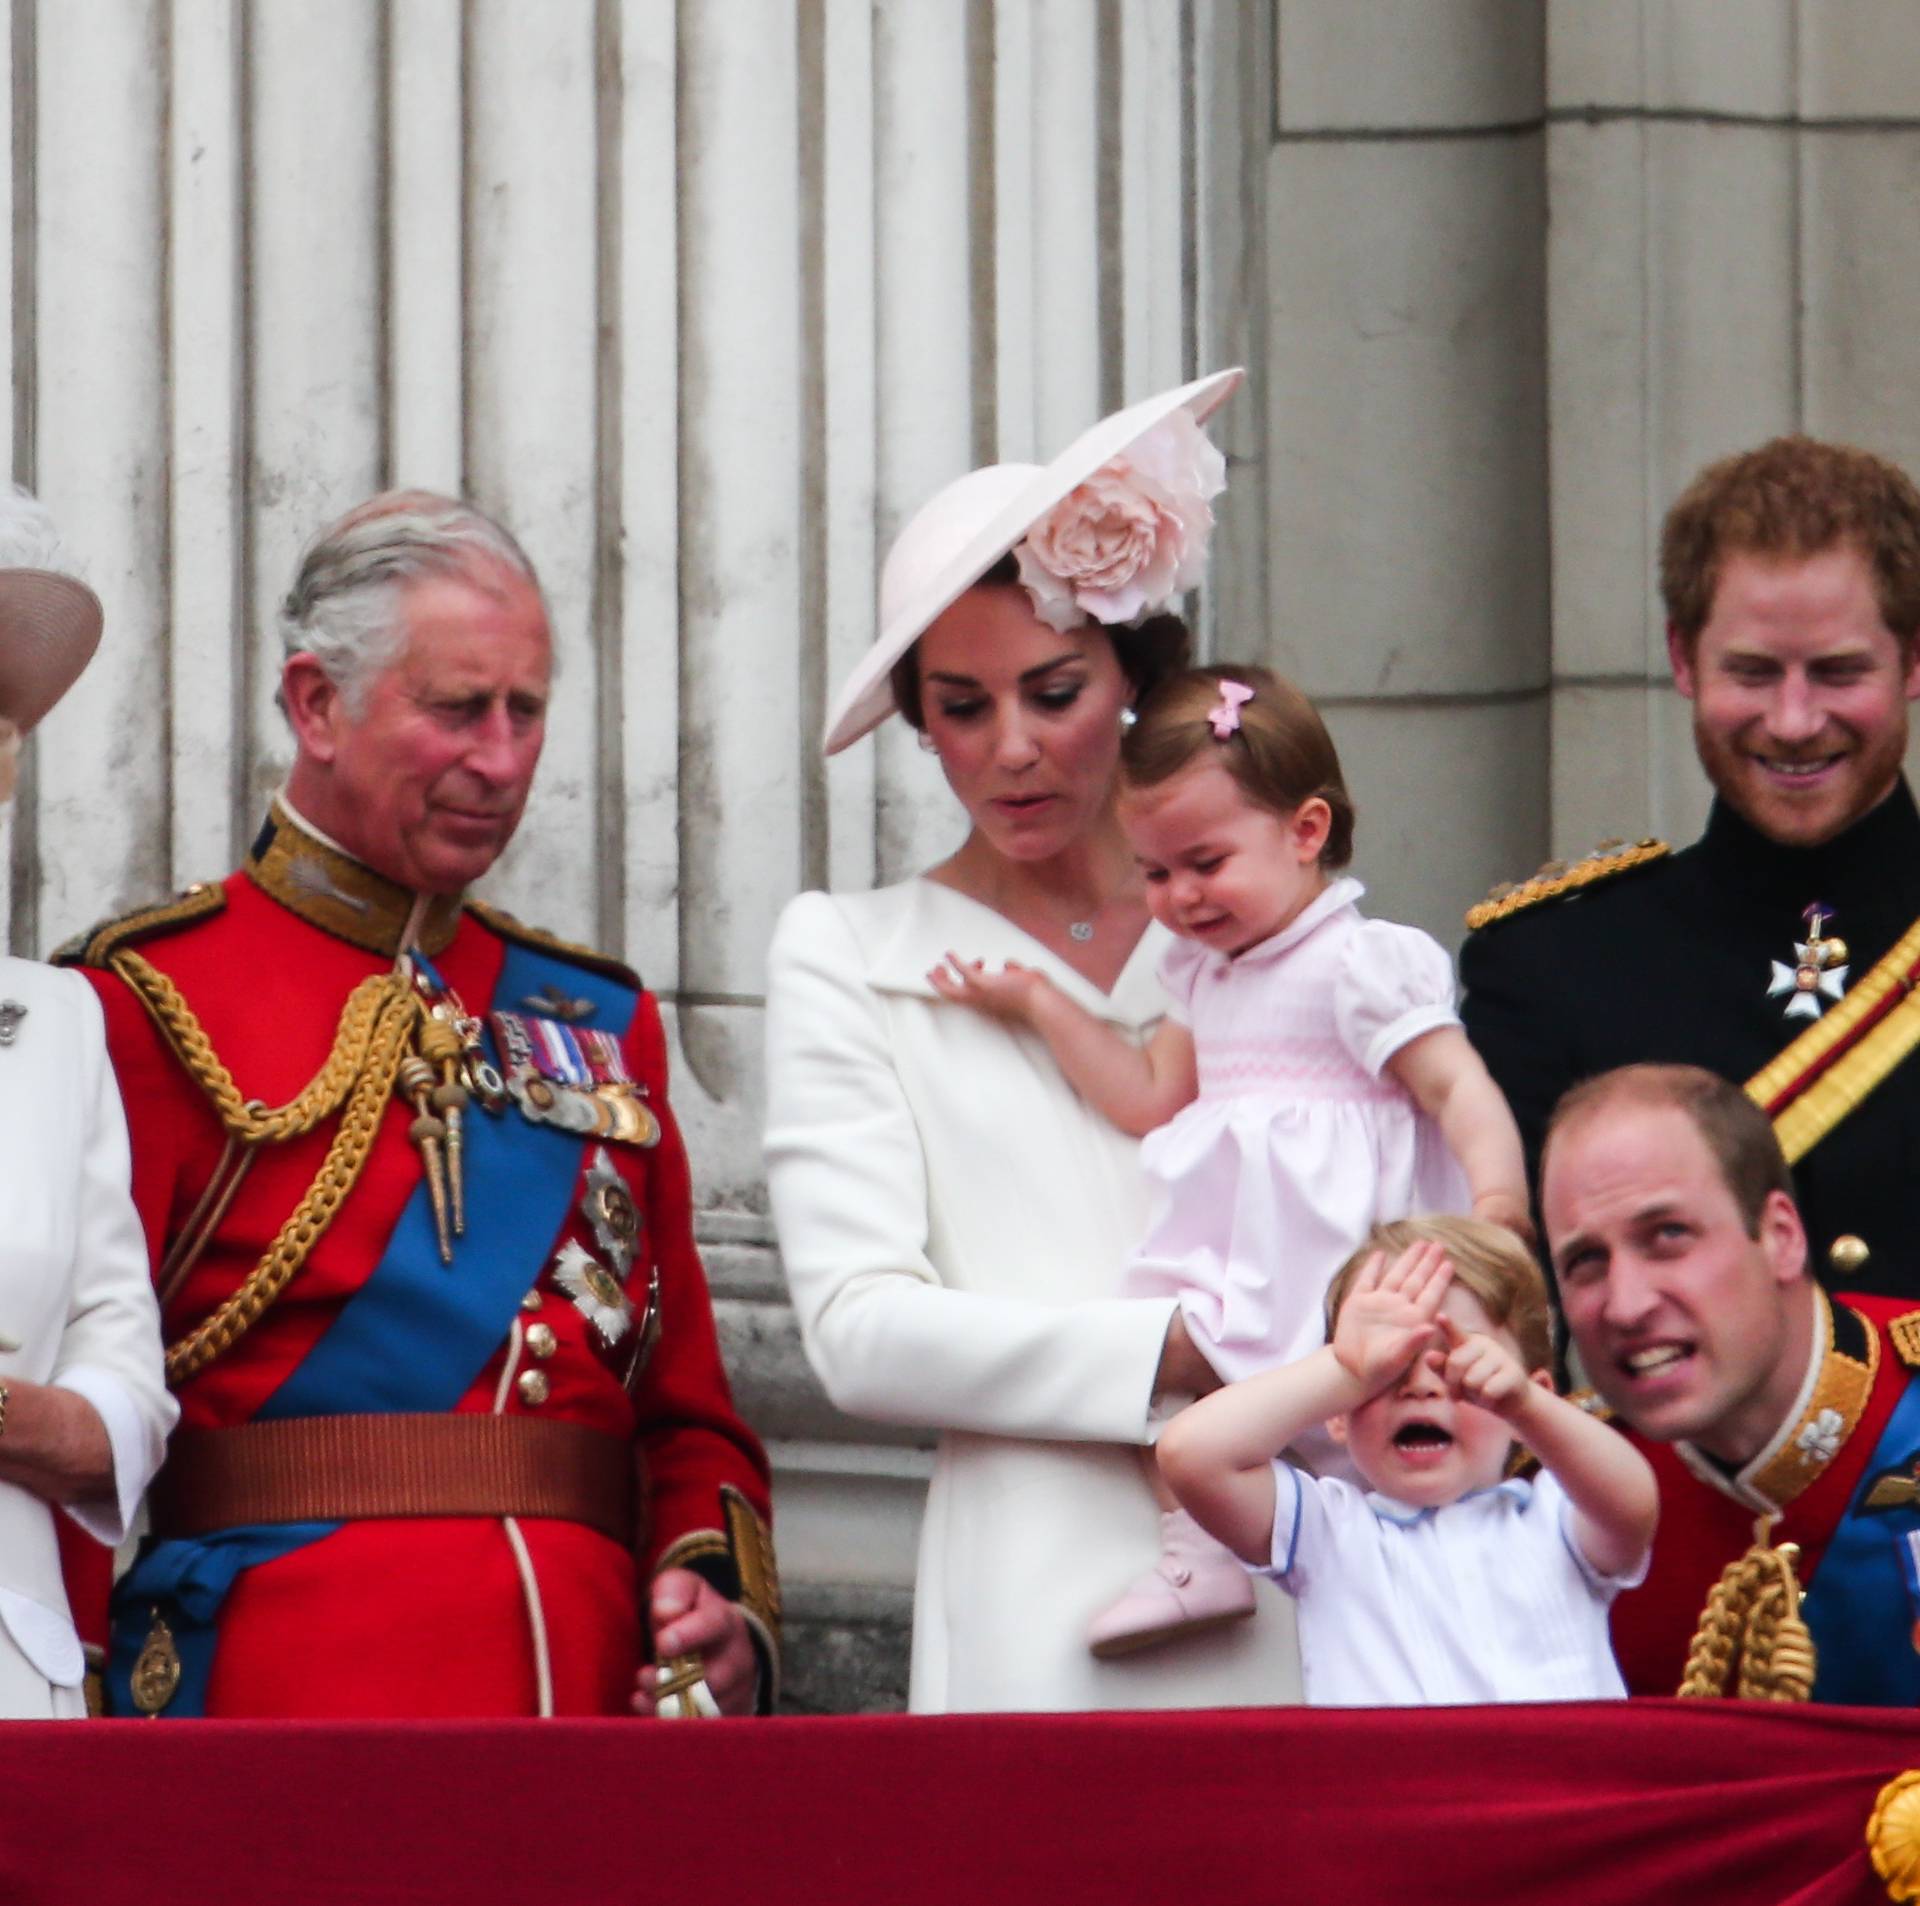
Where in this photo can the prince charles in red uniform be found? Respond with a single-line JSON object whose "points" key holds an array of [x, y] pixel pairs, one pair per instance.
{"points": [[455, 1437]]}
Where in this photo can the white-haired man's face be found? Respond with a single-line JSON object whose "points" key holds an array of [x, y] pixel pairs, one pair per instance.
{"points": [[427, 781]]}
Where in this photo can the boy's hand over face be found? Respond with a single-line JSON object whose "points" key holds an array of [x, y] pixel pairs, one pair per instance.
{"points": [[1481, 1369], [1392, 1315]]}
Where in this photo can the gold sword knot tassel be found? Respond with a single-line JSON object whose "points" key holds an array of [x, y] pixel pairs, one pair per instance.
{"points": [[415, 1083], [441, 1046]]}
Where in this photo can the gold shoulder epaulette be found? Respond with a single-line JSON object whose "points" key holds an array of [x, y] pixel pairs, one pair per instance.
{"points": [[97, 944], [1590, 1401], [518, 931], [1905, 1332], [1559, 877]]}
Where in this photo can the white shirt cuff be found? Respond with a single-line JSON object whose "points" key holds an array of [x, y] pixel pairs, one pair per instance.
{"points": [[134, 1459]]}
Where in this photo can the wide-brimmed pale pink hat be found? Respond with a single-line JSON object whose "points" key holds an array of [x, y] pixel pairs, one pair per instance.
{"points": [[960, 532], [49, 621]]}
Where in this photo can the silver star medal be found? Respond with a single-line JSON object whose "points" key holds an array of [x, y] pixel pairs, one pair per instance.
{"points": [[610, 1210], [608, 1206], [1819, 971], [11, 1014], [595, 1291]]}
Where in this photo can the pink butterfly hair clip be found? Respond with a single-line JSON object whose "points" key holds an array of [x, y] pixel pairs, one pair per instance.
{"points": [[1225, 714]]}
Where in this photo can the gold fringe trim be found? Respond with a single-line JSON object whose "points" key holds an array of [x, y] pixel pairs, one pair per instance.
{"points": [[1607, 861], [201, 901], [1752, 1617]]}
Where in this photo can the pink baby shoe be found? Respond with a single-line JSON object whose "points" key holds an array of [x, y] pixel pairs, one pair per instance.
{"points": [[1197, 1584]]}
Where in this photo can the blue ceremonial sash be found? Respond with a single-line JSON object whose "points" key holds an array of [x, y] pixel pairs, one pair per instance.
{"points": [[1864, 1601], [413, 1338]]}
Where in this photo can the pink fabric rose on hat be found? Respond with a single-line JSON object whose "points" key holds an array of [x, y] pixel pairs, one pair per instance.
{"points": [[1120, 546]]}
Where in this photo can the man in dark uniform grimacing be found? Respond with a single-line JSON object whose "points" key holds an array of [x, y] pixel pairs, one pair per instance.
{"points": [[1779, 949]]}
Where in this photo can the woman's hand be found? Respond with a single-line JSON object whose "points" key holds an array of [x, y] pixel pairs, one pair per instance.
{"points": [[1007, 995], [1183, 1370]]}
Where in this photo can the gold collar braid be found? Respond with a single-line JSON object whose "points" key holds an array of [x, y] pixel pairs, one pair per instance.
{"points": [[340, 895]]}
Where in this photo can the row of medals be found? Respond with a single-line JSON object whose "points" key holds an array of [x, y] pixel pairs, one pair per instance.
{"points": [[612, 1108]]}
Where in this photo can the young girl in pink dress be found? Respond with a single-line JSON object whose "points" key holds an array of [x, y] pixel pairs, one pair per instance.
{"points": [[1310, 1080]]}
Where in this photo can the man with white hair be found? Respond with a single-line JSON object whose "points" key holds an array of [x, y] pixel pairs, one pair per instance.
{"points": [[455, 1432]]}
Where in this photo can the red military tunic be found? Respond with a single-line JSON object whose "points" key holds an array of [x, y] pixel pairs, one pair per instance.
{"points": [[1809, 1474], [448, 1615]]}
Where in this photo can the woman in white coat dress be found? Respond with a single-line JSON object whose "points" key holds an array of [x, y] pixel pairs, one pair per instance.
{"points": [[84, 1408], [952, 1217]]}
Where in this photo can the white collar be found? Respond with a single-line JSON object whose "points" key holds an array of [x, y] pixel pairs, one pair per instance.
{"points": [[1405, 1515], [1336, 897]]}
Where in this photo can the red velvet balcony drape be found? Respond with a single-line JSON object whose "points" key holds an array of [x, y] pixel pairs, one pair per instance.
{"points": [[1620, 1805]]}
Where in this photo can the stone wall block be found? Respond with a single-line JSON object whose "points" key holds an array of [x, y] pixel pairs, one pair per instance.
{"points": [[1624, 765], [1861, 60], [1601, 740], [1596, 356], [1718, 56], [1722, 366], [1451, 797], [1680, 794], [1862, 261], [848, 1516], [1408, 63], [1408, 543]]}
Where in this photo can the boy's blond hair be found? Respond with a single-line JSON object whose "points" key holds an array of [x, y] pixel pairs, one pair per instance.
{"points": [[1489, 1263]]}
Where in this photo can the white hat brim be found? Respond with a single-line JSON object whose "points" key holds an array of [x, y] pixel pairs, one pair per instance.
{"points": [[49, 628], [866, 696]]}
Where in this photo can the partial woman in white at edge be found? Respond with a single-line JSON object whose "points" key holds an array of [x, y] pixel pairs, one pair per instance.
{"points": [[84, 1407], [953, 1218]]}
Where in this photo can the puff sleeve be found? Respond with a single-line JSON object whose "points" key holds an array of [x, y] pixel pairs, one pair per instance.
{"points": [[1179, 974], [1394, 984]]}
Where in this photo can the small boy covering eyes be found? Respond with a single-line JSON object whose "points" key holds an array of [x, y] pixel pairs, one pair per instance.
{"points": [[1443, 1580]]}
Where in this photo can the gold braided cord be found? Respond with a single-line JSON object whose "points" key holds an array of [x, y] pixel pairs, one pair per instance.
{"points": [[1847, 1081], [391, 1034], [377, 1027], [1752, 1617], [247, 1119]]}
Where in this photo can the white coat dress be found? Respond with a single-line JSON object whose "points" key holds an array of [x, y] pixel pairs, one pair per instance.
{"points": [[76, 1308], [953, 1219]]}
